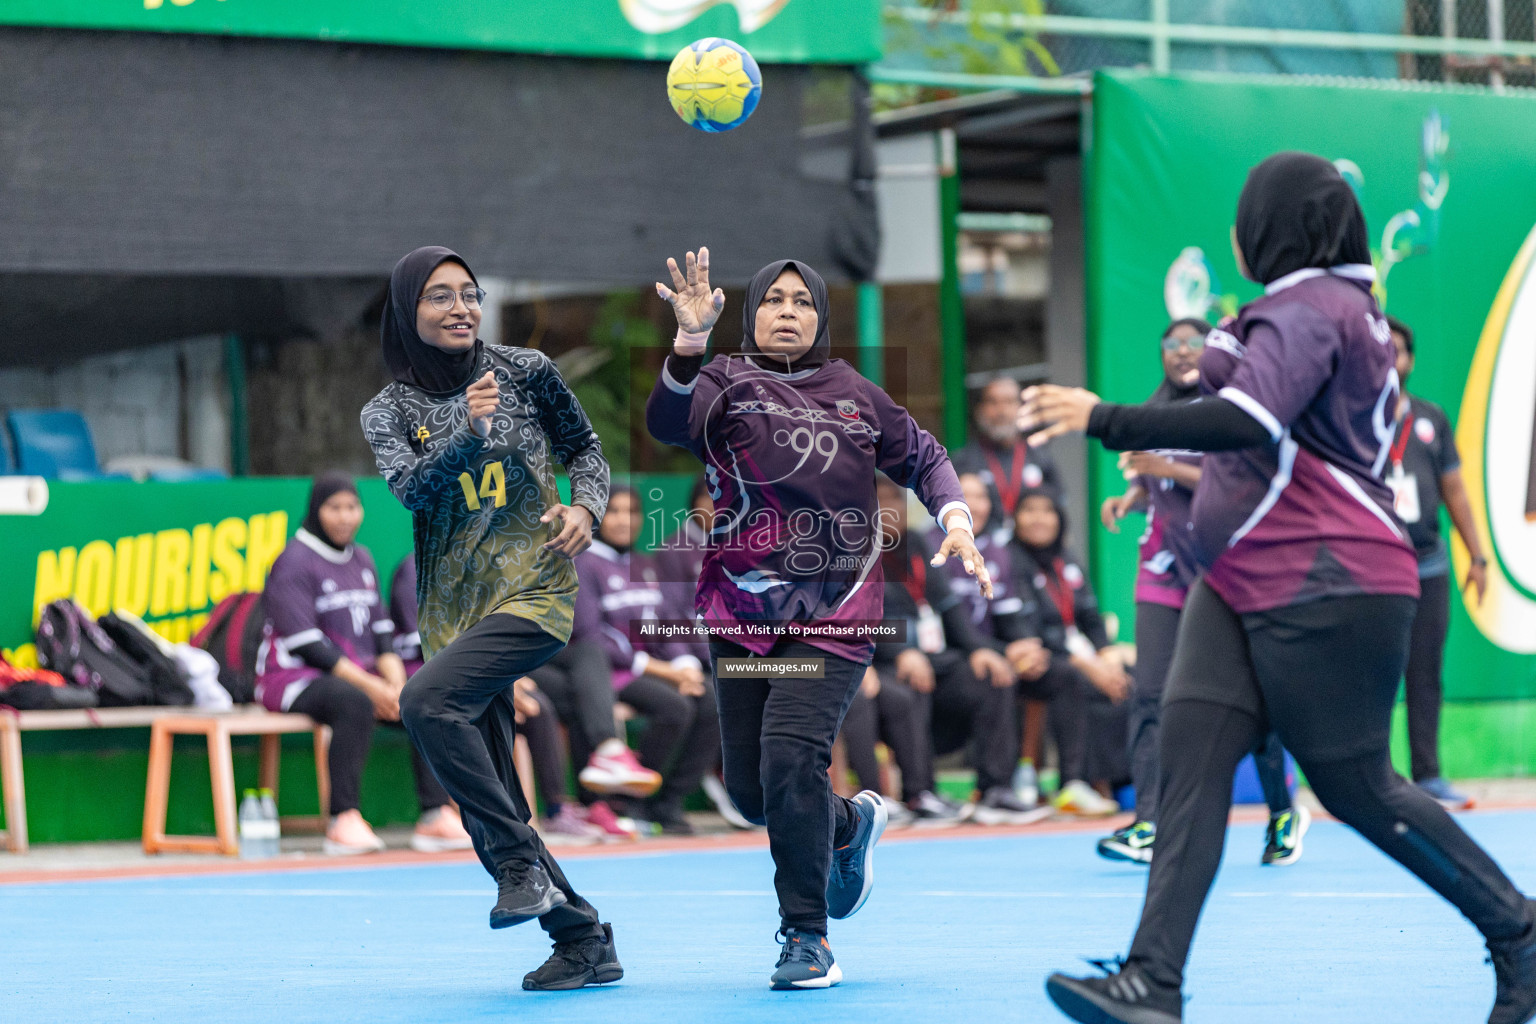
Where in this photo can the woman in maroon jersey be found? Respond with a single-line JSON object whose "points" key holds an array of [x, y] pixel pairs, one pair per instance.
{"points": [[1301, 619], [790, 441]]}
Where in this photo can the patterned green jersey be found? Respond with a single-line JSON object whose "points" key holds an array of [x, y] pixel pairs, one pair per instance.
{"points": [[476, 501]]}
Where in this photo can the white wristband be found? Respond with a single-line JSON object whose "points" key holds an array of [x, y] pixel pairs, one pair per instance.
{"points": [[686, 344], [946, 518]]}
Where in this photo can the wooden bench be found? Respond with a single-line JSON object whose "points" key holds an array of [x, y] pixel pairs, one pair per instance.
{"points": [[243, 720], [217, 728]]}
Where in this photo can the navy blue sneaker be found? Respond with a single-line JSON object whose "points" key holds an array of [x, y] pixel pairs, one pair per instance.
{"points": [[806, 962], [1514, 969], [853, 866], [1125, 995]]}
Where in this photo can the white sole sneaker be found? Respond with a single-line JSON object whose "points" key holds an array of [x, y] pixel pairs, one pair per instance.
{"points": [[882, 818], [437, 844], [994, 816], [1303, 822], [715, 790], [834, 977], [331, 848]]}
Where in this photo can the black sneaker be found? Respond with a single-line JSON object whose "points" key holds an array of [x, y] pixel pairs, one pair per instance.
{"points": [[670, 819], [591, 961], [1514, 968], [522, 894], [1125, 995], [806, 962], [853, 866], [929, 808]]}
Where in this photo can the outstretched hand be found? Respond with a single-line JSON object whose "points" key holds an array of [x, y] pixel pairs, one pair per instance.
{"points": [[959, 543], [695, 304], [1051, 410]]}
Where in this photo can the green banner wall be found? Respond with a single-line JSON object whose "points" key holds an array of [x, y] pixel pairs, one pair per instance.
{"points": [[1444, 176], [782, 31]]}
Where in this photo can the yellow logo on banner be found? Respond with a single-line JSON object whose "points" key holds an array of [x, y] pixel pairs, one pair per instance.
{"points": [[171, 578], [1496, 434]]}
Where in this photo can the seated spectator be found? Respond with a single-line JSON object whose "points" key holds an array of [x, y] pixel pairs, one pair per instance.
{"points": [[999, 454], [1079, 664], [661, 679], [536, 716], [328, 652]]}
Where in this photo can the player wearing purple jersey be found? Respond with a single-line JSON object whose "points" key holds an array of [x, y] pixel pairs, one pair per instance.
{"points": [[790, 442], [1163, 485], [327, 651], [1301, 621], [465, 437]]}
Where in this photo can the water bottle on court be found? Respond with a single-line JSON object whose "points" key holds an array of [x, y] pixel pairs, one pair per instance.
{"points": [[269, 814], [1026, 784], [258, 835]]}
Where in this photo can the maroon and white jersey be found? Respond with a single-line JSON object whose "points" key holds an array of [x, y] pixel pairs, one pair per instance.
{"points": [[316, 594], [1307, 515], [615, 591], [1167, 565]]}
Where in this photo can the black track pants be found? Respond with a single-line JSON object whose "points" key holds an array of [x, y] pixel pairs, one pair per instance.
{"points": [[899, 716], [681, 739], [776, 740], [1426, 654], [1157, 628], [458, 709], [1324, 675]]}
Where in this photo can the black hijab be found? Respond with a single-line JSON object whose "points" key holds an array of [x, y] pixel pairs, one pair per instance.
{"points": [[1171, 390], [325, 487], [411, 360], [820, 348], [1297, 211], [614, 491], [1043, 556]]}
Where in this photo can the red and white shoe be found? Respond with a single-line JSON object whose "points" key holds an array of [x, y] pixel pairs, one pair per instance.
{"points": [[440, 832], [614, 828], [614, 768]]}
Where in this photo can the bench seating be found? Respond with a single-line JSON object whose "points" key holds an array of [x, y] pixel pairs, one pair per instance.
{"points": [[163, 723]]}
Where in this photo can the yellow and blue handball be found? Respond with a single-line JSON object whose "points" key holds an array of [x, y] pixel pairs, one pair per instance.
{"points": [[714, 84]]}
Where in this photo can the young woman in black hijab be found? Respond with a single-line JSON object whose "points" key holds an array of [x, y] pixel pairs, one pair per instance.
{"points": [[1300, 622], [466, 437], [791, 441]]}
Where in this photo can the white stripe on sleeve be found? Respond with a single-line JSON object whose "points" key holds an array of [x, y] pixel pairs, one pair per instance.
{"points": [[1251, 406]]}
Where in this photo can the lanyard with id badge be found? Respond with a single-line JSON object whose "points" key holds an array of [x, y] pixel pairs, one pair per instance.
{"points": [[1061, 595], [930, 627], [1405, 486]]}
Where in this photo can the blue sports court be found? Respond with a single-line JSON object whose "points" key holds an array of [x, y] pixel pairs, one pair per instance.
{"points": [[963, 926]]}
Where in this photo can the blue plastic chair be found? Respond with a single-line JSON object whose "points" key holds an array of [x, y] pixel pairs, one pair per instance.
{"points": [[188, 474], [53, 443], [7, 467]]}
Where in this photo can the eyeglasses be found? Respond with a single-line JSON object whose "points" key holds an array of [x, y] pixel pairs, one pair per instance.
{"points": [[442, 298], [1172, 344]]}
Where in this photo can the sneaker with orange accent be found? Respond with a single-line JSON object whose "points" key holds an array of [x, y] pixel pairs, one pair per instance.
{"points": [[440, 830], [349, 836], [805, 962], [852, 875], [613, 828], [614, 768]]}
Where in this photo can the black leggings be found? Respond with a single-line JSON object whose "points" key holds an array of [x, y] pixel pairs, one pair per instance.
{"points": [[1324, 674], [681, 739], [1426, 653], [348, 711], [578, 681], [972, 713], [776, 738], [542, 732], [900, 716], [1157, 628], [1069, 693], [458, 708]]}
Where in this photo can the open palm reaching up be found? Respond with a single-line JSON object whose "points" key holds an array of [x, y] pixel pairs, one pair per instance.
{"points": [[695, 304]]}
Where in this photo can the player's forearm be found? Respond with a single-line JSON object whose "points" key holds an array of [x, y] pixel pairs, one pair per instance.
{"points": [[1206, 425], [1455, 493]]}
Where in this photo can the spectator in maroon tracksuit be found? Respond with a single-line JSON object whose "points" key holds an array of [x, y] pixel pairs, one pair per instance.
{"points": [[661, 679], [328, 652]]}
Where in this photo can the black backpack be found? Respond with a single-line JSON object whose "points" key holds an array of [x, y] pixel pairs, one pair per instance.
{"points": [[165, 678], [70, 643], [232, 635]]}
